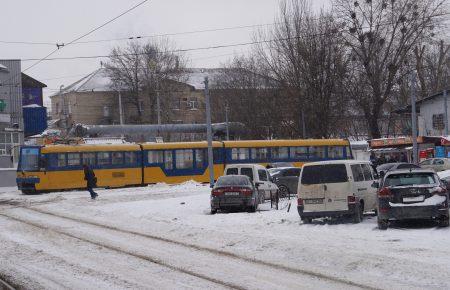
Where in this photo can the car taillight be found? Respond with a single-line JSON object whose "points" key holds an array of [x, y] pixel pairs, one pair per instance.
{"points": [[384, 192], [351, 199], [300, 201], [439, 191], [246, 191], [217, 191]]}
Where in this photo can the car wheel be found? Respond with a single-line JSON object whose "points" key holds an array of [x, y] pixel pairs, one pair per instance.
{"points": [[213, 211], [283, 191], [357, 215], [443, 222], [382, 224], [252, 208]]}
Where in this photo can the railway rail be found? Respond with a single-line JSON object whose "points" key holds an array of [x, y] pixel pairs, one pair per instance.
{"points": [[285, 273]]}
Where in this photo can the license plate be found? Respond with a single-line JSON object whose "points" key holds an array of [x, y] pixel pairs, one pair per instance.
{"points": [[232, 193], [419, 198], [314, 201]]}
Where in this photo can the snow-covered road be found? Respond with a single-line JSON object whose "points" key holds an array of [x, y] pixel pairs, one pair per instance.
{"points": [[163, 237]]}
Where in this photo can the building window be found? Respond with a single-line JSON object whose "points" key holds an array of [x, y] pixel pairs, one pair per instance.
{"points": [[192, 104], [438, 122], [175, 104]]}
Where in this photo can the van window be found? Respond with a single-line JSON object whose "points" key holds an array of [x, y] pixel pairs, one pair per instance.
{"points": [[247, 171], [358, 174], [327, 173], [262, 175], [292, 172], [367, 172], [232, 171]]}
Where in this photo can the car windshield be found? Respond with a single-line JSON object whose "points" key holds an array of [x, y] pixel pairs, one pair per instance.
{"points": [[233, 181], [405, 179], [29, 159], [327, 173]]}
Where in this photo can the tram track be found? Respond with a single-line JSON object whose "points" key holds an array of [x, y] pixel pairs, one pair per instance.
{"points": [[220, 254]]}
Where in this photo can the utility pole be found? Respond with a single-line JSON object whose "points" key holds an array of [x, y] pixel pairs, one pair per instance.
{"points": [[209, 134], [63, 107], [158, 105], [120, 108], [446, 112], [414, 117], [226, 121]]}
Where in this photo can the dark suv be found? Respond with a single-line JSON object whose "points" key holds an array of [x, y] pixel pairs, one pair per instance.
{"points": [[412, 194]]}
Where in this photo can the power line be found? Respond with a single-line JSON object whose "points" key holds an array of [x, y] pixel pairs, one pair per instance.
{"points": [[86, 34]]}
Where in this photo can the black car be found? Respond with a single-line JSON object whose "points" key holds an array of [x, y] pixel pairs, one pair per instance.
{"points": [[286, 178], [382, 169], [412, 194], [235, 192]]}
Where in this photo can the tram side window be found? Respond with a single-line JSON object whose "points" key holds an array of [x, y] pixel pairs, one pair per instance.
{"points": [[89, 158], [104, 158], [259, 153], [185, 158], [200, 157], [62, 162], [155, 156], [239, 153], [317, 151], [335, 152], [130, 157], [168, 160], [299, 152], [348, 152], [117, 158], [280, 153], [73, 159]]}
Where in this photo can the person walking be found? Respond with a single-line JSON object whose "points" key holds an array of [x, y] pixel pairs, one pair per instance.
{"points": [[91, 180]]}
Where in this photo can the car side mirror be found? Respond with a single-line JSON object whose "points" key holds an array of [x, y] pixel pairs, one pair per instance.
{"points": [[376, 184]]}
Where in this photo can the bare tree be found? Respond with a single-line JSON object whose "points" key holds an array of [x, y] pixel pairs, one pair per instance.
{"points": [[382, 35], [140, 70], [305, 53]]}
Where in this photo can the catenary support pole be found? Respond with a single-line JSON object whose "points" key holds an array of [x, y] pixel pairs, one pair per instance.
{"points": [[209, 134], [414, 117], [446, 112]]}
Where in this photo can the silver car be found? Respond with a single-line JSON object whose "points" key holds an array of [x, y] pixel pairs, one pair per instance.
{"points": [[437, 164]]}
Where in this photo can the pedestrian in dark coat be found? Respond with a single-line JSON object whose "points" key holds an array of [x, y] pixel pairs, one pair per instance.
{"points": [[91, 180]]}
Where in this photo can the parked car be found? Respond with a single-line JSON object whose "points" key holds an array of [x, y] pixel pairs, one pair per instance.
{"points": [[286, 178], [382, 169], [412, 194], [234, 191], [258, 174], [335, 189], [437, 164]]}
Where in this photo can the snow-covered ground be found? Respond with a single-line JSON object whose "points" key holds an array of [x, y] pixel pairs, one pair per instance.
{"points": [[164, 237]]}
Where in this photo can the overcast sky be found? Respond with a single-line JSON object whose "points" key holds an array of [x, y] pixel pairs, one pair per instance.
{"points": [[57, 21]]}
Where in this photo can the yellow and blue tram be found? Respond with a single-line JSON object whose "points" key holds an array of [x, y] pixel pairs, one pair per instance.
{"points": [[59, 167]]}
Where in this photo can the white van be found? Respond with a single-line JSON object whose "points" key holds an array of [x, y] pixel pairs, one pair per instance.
{"points": [[336, 188], [258, 175]]}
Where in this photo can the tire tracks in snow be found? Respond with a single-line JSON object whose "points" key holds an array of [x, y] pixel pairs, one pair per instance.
{"points": [[213, 251]]}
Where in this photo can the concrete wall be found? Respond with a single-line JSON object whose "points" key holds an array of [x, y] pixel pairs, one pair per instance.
{"points": [[8, 177]]}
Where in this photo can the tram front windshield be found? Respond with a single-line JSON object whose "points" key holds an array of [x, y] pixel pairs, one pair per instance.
{"points": [[29, 159]]}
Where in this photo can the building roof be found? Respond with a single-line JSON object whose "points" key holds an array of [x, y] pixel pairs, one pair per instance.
{"points": [[29, 82], [195, 77], [407, 109], [97, 81]]}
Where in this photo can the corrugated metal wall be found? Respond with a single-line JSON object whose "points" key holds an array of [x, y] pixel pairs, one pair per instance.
{"points": [[11, 90]]}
